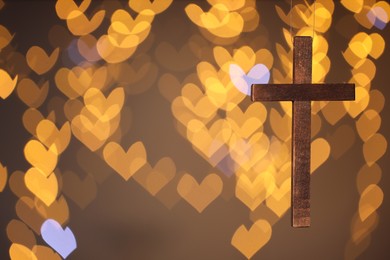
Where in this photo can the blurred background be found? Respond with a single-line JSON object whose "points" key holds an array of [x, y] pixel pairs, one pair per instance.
{"points": [[129, 125]]}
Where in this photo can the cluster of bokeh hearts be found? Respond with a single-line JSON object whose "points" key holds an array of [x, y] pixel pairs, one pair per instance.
{"points": [[244, 143]]}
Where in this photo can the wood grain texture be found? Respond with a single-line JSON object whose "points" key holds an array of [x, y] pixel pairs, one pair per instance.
{"points": [[301, 136], [303, 92]]}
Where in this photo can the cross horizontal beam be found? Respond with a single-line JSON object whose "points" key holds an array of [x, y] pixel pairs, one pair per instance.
{"points": [[303, 92]]}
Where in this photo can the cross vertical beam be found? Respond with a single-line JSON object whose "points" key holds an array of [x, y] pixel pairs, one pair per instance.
{"points": [[301, 136]]}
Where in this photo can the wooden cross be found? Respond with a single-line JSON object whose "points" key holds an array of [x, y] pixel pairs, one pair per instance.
{"points": [[301, 92]]}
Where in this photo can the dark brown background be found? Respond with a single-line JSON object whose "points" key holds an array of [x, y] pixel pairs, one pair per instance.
{"points": [[125, 222]]}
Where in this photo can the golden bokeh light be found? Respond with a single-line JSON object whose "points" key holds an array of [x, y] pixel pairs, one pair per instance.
{"points": [[83, 109]]}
